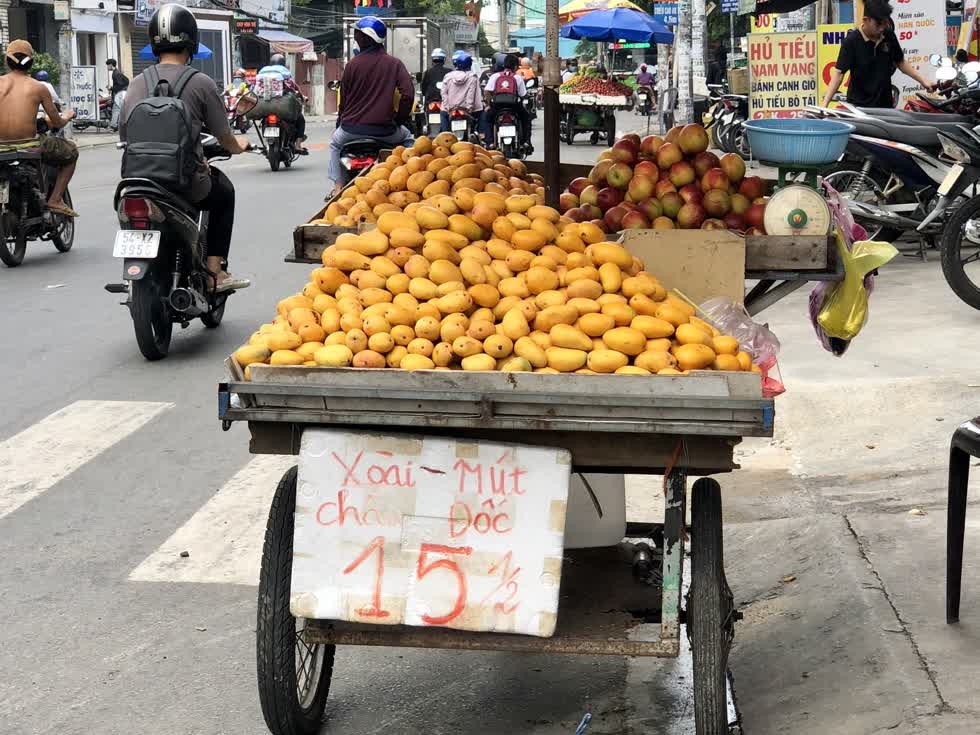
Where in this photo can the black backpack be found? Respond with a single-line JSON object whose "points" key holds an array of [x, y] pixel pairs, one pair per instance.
{"points": [[160, 143]]}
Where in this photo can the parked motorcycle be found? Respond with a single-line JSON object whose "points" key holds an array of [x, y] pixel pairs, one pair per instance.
{"points": [[162, 241], [959, 94], [105, 114], [25, 183]]}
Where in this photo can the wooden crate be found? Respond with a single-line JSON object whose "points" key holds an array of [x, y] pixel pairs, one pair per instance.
{"points": [[806, 254]]}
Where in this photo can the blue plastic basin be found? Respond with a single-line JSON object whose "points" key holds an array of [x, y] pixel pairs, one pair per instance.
{"points": [[798, 141]]}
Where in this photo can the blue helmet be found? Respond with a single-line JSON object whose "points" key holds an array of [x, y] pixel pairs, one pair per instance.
{"points": [[41, 76], [372, 27], [439, 54], [462, 61], [457, 53]]}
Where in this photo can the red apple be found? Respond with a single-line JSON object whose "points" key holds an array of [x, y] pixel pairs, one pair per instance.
{"points": [[626, 151], [752, 187], [668, 155], [635, 221], [733, 166], [605, 155], [663, 223], [590, 211], [574, 214], [589, 195], [734, 221], [647, 168], [714, 179], [651, 144], [634, 139], [567, 201], [663, 186], [641, 187], [754, 215], [672, 134], [717, 203], [740, 203], [608, 198], [671, 203], [713, 224], [693, 139], [614, 218], [704, 162], [600, 224], [619, 175], [690, 216], [681, 174], [577, 185], [630, 205], [691, 194], [598, 173], [652, 208]]}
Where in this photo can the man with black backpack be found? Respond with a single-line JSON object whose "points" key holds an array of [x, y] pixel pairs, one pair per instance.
{"points": [[166, 109]]}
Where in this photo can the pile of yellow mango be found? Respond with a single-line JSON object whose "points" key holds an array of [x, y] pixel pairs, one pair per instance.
{"points": [[483, 280]]}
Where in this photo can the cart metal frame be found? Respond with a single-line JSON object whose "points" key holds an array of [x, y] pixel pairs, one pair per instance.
{"points": [[674, 426]]}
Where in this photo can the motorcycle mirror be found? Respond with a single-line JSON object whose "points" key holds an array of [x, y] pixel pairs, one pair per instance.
{"points": [[935, 59], [246, 103], [944, 74]]}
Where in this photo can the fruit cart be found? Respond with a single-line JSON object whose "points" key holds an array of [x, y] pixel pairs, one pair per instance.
{"points": [[671, 426], [591, 113]]}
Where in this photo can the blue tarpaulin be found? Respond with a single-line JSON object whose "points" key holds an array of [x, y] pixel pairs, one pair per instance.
{"points": [[619, 24]]}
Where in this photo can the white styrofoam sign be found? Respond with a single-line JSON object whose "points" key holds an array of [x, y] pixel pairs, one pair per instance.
{"points": [[428, 531], [920, 26]]}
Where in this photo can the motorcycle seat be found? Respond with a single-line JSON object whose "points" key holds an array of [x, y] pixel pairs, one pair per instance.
{"points": [[27, 154], [152, 190], [370, 146], [917, 135], [925, 118]]}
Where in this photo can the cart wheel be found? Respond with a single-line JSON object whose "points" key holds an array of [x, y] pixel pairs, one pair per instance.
{"points": [[594, 140], [293, 676], [710, 608], [611, 129]]}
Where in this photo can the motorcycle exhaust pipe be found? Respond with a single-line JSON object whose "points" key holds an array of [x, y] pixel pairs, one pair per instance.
{"points": [[882, 216], [940, 208], [188, 302]]}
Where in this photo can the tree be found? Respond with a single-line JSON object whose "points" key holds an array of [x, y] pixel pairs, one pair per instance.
{"points": [[486, 51], [586, 50]]}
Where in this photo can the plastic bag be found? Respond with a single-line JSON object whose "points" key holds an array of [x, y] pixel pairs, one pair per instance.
{"points": [[756, 339], [845, 307]]}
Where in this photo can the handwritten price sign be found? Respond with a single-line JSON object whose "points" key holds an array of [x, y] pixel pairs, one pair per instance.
{"points": [[429, 531]]}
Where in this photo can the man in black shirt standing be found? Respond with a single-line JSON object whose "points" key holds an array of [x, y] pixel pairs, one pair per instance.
{"points": [[871, 54], [117, 90]]}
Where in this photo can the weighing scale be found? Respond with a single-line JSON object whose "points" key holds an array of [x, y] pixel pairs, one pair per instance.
{"points": [[796, 209]]}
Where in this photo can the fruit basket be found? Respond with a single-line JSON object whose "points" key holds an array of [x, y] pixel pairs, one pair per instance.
{"points": [[798, 142]]}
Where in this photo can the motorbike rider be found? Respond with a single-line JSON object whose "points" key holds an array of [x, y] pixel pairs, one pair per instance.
{"points": [[20, 96], [461, 89], [275, 80], [524, 71], [432, 76], [42, 77], [645, 80], [239, 85], [499, 83], [117, 90], [174, 38], [367, 95]]}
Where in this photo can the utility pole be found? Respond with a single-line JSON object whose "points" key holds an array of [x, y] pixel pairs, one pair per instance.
{"points": [[502, 27], [682, 61], [65, 41], [551, 79]]}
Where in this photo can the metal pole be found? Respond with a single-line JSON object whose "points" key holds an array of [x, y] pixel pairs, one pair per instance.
{"points": [[731, 42], [551, 81]]}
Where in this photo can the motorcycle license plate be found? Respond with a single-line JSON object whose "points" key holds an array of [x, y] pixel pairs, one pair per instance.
{"points": [[948, 182], [435, 118], [459, 124], [4, 192], [271, 132], [643, 98], [508, 131], [136, 244]]}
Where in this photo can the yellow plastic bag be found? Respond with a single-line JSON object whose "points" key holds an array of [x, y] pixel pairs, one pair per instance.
{"points": [[845, 307]]}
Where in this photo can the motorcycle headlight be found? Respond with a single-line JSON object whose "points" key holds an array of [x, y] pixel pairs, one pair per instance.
{"points": [[954, 150]]}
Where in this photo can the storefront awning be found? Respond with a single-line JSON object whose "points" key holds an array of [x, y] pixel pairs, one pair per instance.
{"points": [[281, 42]]}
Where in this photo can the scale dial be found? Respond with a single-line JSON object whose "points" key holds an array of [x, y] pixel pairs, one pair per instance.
{"points": [[797, 210]]}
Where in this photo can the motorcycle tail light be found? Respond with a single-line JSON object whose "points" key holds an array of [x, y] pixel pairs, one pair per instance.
{"points": [[138, 213], [434, 107], [272, 120], [507, 118], [357, 164], [457, 114]]}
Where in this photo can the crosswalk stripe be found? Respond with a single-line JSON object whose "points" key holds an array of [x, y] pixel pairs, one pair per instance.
{"points": [[44, 454], [224, 538]]}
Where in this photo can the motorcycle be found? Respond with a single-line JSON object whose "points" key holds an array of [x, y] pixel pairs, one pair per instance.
{"points": [[235, 121], [25, 183], [162, 241], [731, 132], [461, 123], [644, 100], [105, 114], [961, 95], [358, 155], [530, 100], [278, 138], [433, 118], [506, 129], [959, 243]]}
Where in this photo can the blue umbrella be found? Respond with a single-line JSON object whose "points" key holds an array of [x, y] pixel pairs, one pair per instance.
{"points": [[203, 52], [619, 24]]}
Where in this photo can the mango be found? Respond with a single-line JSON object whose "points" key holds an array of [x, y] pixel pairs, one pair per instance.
{"points": [[606, 361]]}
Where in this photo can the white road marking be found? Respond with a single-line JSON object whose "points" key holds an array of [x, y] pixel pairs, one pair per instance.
{"points": [[42, 455], [224, 538]]}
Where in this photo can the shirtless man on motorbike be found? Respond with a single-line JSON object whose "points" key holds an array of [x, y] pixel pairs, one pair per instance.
{"points": [[20, 96]]}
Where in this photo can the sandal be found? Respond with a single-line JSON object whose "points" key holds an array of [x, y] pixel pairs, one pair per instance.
{"points": [[64, 211], [232, 283]]}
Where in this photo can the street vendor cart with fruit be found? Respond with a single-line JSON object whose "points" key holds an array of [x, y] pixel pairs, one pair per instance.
{"points": [[453, 379]]}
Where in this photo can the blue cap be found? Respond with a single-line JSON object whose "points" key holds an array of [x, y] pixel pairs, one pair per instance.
{"points": [[372, 27]]}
